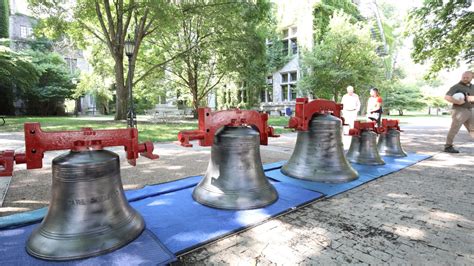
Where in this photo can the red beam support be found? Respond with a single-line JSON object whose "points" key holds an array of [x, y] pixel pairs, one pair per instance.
{"points": [[304, 111], [210, 122], [38, 141]]}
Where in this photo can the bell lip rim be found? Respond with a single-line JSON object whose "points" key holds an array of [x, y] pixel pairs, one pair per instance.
{"points": [[382, 163], [356, 176], [90, 255], [208, 203], [239, 209]]}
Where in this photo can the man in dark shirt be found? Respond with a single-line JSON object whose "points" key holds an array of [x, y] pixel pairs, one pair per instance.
{"points": [[462, 113]]}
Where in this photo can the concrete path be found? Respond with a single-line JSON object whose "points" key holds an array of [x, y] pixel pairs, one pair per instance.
{"points": [[420, 215]]}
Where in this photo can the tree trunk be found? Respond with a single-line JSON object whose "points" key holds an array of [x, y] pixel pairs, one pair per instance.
{"points": [[121, 91], [400, 112]]}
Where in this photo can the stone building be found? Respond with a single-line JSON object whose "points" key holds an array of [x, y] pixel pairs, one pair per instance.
{"points": [[295, 22]]}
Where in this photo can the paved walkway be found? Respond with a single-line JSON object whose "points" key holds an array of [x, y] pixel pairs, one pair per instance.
{"points": [[420, 215]]}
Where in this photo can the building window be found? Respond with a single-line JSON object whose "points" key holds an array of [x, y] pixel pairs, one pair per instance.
{"points": [[290, 43], [266, 95], [288, 86], [72, 64], [23, 32], [293, 91], [294, 46], [284, 92]]}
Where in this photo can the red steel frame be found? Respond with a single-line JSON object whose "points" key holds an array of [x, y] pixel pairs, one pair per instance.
{"points": [[304, 111], [390, 124], [210, 122], [360, 126], [37, 142]]}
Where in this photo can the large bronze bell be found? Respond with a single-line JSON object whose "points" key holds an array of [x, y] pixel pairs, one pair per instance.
{"points": [[235, 178], [389, 144], [363, 149], [319, 153], [88, 213]]}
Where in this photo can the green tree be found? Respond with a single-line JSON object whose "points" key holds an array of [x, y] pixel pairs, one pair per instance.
{"points": [[443, 33], [4, 15], [345, 56], [98, 87], [404, 97], [109, 22], [17, 75], [225, 41], [436, 102], [325, 9], [54, 84]]}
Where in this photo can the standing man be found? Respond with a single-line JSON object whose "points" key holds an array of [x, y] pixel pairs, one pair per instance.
{"points": [[350, 106], [462, 112]]}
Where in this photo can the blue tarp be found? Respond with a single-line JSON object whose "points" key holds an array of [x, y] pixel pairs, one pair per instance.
{"points": [[366, 174]]}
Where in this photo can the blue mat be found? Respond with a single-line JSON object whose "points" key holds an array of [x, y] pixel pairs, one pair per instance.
{"points": [[171, 215], [145, 250], [183, 224], [366, 174], [21, 219]]}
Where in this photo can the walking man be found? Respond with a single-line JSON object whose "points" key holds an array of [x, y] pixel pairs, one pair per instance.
{"points": [[351, 106], [462, 112]]}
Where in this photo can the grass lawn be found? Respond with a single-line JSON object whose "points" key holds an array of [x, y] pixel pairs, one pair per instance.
{"points": [[157, 132], [148, 131]]}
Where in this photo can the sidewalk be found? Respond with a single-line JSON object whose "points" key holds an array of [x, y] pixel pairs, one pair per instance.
{"points": [[420, 215]]}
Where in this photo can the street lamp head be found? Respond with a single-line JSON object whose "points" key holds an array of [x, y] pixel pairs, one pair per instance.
{"points": [[129, 46]]}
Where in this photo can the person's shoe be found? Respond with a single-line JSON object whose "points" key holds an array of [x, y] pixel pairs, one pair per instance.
{"points": [[450, 149]]}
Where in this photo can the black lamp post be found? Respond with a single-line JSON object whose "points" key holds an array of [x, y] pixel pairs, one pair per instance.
{"points": [[129, 46]]}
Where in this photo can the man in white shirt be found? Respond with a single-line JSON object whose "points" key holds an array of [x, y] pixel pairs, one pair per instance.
{"points": [[351, 106]]}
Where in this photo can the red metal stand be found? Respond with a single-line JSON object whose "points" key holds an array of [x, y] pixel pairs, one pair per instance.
{"points": [[210, 122], [390, 124], [37, 142], [304, 111], [360, 126]]}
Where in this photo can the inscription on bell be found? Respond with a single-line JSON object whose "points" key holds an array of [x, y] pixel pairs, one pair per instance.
{"points": [[93, 200]]}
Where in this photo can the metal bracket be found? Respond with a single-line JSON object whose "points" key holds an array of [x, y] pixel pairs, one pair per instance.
{"points": [[210, 122], [360, 126], [304, 111], [388, 124], [37, 142]]}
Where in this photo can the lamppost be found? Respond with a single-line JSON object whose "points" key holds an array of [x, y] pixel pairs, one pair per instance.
{"points": [[129, 46]]}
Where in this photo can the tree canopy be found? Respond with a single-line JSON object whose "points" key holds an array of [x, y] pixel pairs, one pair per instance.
{"points": [[324, 11], [345, 56], [404, 97], [17, 75], [53, 86], [443, 33], [223, 41], [110, 23]]}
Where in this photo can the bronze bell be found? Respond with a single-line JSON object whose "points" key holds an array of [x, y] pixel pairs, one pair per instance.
{"points": [[319, 153], [88, 213], [363, 149], [235, 178], [389, 144]]}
